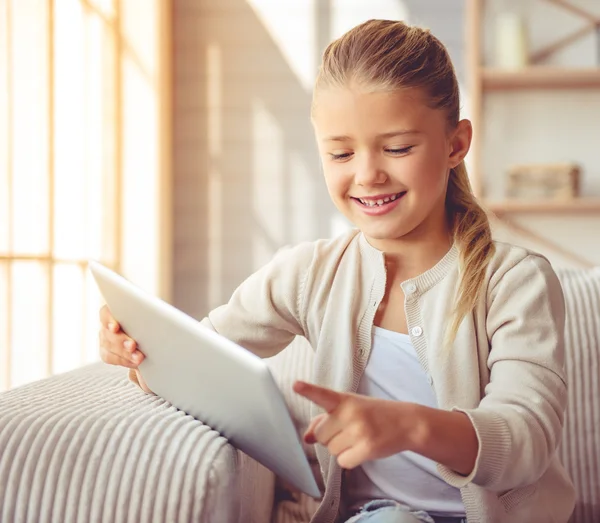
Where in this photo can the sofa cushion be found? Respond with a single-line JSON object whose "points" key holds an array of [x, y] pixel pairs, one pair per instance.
{"points": [[91, 446], [580, 447]]}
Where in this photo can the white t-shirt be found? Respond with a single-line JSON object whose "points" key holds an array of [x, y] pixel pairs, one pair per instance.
{"points": [[394, 372]]}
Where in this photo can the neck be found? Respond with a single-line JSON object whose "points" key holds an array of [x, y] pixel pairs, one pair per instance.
{"points": [[415, 253]]}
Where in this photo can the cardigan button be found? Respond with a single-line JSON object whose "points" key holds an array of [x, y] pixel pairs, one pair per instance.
{"points": [[417, 331], [411, 288]]}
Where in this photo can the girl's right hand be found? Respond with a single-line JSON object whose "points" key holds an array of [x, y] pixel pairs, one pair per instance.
{"points": [[116, 348]]}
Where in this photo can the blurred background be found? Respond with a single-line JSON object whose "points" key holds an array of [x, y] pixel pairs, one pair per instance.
{"points": [[171, 140]]}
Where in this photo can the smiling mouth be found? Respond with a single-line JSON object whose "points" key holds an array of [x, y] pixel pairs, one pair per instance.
{"points": [[381, 202]]}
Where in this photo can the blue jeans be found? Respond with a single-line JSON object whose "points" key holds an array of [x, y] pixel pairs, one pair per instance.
{"points": [[387, 511]]}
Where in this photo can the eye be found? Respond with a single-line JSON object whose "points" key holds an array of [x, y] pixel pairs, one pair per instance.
{"points": [[398, 151], [340, 156]]}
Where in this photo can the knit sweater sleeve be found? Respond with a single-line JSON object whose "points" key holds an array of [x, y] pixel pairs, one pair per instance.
{"points": [[266, 312], [520, 418]]}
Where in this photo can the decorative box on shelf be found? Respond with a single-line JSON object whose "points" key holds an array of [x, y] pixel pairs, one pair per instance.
{"points": [[558, 181]]}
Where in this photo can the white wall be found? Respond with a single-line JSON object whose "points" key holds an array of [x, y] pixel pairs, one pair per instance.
{"points": [[247, 174]]}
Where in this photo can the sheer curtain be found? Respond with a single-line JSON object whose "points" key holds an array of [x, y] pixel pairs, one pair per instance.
{"points": [[84, 170]]}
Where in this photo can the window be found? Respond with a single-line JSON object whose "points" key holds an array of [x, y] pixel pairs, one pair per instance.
{"points": [[84, 170]]}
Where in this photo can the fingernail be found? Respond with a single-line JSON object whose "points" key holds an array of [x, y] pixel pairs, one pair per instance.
{"points": [[129, 344], [137, 356], [111, 326]]}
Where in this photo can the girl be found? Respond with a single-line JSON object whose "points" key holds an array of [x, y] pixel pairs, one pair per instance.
{"points": [[439, 390]]}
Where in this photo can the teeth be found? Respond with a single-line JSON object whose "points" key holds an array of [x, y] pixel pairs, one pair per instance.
{"points": [[371, 203]]}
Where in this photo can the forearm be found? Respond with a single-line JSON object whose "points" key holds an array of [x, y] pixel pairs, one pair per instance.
{"points": [[445, 437]]}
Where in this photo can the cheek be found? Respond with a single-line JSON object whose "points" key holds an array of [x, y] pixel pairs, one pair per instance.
{"points": [[336, 181], [428, 172]]}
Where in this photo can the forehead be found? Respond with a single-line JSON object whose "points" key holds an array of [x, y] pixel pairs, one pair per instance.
{"points": [[341, 110]]}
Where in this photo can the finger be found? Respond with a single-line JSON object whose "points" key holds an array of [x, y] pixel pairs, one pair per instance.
{"points": [[136, 358], [309, 434], [103, 314], [339, 444], [353, 456], [115, 359], [127, 348], [129, 344], [142, 382], [327, 430], [108, 321], [121, 346], [325, 398], [132, 351]]}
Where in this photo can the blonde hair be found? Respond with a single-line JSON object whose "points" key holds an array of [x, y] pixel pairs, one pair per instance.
{"points": [[390, 55]]}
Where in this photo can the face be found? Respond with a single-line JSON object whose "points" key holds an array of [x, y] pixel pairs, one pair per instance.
{"points": [[386, 158]]}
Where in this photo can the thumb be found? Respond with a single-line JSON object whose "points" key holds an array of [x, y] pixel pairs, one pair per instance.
{"points": [[325, 398]]}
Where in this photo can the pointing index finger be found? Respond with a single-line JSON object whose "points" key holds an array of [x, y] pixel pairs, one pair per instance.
{"points": [[323, 397]]}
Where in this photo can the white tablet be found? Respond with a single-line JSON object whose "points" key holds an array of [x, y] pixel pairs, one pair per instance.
{"points": [[209, 377]]}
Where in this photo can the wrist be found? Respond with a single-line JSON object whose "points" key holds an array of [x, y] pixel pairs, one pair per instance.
{"points": [[419, 428], [445, 437]]}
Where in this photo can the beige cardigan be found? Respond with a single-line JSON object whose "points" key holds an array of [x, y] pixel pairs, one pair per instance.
{"points": [[505, 369]]}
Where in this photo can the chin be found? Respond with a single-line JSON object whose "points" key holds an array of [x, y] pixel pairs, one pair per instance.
{"points": [[381, 233]]}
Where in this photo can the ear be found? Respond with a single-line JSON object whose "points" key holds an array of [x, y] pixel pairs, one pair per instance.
{"points": [[460, 142]]}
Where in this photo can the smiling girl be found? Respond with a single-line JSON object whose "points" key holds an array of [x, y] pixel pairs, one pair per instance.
{"points": [[438, 388]]}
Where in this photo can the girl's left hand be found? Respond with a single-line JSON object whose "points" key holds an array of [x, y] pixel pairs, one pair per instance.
{"points": [[358, 428]]}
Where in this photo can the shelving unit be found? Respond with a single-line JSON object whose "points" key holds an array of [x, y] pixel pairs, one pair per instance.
{"points": [[539, 77], [576, 206], [483, 80]]}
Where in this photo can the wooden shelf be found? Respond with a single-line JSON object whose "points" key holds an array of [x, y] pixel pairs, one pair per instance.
{"points": [[540, 78], [576, 206]]}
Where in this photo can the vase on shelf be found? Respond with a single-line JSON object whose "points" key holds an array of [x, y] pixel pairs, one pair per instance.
{"points": [[511, 41]]}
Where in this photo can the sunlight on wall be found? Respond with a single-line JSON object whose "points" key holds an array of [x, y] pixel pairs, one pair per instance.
{"points": [[302, 207], [292, 27], [214, 90], [269, 193]]}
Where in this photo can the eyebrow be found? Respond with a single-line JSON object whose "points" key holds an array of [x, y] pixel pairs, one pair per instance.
{"points": [[391, 134]]}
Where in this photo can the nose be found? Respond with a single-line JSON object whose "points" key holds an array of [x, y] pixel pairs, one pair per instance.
{"points": [[369, 171]]}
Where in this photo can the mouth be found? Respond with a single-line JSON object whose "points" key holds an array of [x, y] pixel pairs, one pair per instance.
{"points": [[379, 201]]}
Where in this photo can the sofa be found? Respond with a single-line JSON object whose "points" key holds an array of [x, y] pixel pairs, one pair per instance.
{"points": [[89, 446]]}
